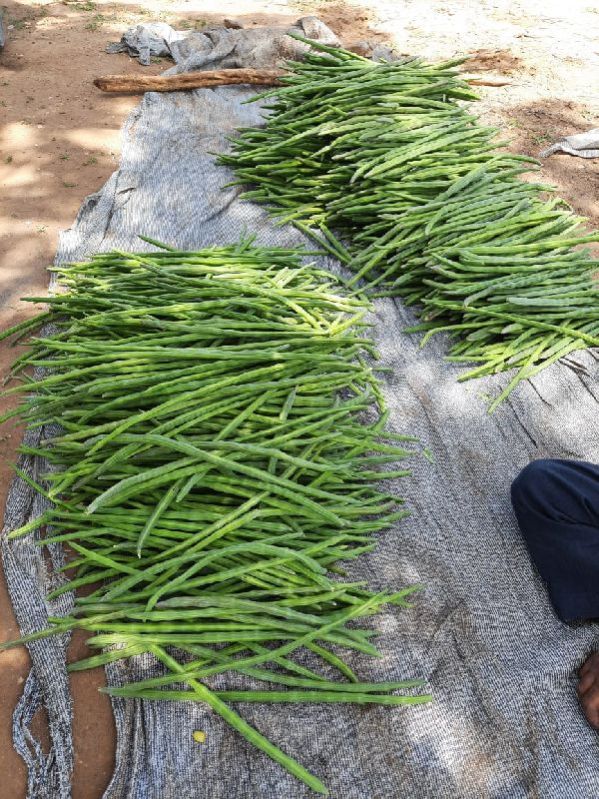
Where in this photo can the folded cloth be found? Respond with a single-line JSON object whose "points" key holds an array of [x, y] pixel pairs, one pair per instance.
{"points": [[584, 145], [220, 48]]}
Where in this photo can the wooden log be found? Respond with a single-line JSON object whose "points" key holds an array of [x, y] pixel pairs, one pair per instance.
{"points": [[219, 77], [474, 80], [188, 80]]}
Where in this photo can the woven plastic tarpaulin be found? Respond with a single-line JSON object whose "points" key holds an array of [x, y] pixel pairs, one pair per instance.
{"points": [[505, 721]]}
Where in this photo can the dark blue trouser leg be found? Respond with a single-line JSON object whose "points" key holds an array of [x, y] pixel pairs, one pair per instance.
{"points": [[557, 507]]}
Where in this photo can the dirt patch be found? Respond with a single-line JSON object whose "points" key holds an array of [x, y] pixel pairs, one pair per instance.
{"points": [[502, 61], [351, 23], [537, 125]]}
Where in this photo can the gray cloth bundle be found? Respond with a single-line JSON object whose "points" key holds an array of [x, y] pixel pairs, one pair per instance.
{"points": [[221, 48], [584, 145], [505, 722]]}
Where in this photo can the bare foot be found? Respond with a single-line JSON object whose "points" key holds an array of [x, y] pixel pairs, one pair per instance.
{"points": [[588, 689]]}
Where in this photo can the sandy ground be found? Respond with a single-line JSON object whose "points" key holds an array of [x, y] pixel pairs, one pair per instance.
{"points": [[60, 138]]}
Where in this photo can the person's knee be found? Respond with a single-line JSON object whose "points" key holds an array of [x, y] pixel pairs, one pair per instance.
{"points": [[532, 483]]}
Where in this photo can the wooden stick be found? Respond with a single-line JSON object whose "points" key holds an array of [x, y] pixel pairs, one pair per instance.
{"points": [[490, 81], [188, 80], [217, 77]]}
